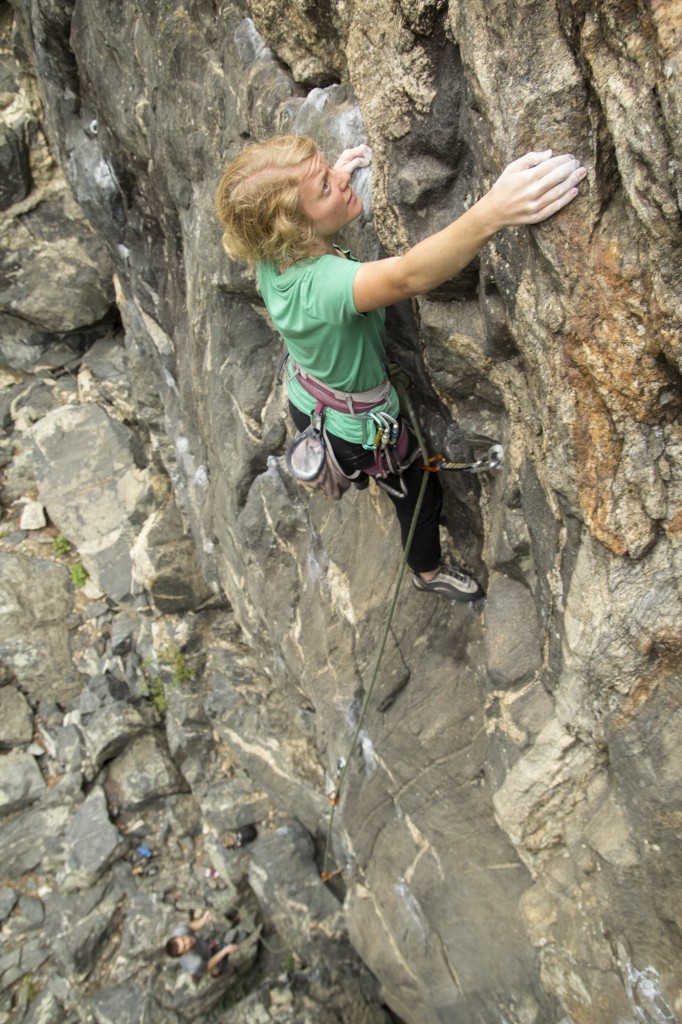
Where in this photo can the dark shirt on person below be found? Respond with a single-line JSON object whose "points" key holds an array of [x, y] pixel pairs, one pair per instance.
{"points": [[196, 959]]}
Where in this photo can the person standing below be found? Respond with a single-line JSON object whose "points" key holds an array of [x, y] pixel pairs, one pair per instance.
{"points": [[194, 953], [281, 206]]}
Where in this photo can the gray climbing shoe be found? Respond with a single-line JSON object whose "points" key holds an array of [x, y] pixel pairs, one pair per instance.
{"points": [[450, 582]]}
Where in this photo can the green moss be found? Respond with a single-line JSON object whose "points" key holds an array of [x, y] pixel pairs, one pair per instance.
{"points": [[27, 990], [156, 694], [168, 669], [79, 574], [61, 546]]}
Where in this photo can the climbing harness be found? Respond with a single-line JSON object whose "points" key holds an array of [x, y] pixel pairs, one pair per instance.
{"points": [[356, 403], [311, 459]]}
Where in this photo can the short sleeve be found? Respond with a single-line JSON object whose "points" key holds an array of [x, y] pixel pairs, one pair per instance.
{"points": [[327, 290]]}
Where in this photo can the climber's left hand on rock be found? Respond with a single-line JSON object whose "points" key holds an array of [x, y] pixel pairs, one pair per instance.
{"points": [[351, 159]]}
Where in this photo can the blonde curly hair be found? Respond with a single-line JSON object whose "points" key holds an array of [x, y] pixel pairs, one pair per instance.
{"points": [[258, 202]]}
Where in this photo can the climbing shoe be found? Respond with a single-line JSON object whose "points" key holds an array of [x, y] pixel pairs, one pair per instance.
{"points": [[450, 582]]}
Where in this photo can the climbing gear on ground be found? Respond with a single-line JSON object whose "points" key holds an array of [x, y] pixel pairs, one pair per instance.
{"points": [[243, 836], [450, 582], [141, 859]]}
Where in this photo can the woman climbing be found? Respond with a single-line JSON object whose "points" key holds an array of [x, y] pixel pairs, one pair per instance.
{"points": [[282, 205]]}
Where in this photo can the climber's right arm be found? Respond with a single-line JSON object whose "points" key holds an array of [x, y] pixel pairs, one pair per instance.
{"points": [[528, 191]]}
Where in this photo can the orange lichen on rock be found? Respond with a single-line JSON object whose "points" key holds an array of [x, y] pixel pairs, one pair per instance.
{"points": [[623, 386], [667, 17]]}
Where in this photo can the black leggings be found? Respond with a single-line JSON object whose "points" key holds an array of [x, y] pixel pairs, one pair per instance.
{"points": [[424, 553]]}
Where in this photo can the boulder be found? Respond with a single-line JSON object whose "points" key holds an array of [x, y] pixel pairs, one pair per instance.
{"points": [[32, 516], [21, 782], [63, 746], [65, 279], [284, 876], [143, 774], [91, 843], [165, 563], [36, 602], [32, 840], [109, 731], [94, 491], [16, 717]]}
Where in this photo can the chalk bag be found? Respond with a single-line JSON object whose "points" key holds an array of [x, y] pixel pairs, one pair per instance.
{"points": [[309, 462]]}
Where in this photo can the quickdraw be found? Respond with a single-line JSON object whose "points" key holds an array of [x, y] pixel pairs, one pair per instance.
{"points": [[492, 460]]}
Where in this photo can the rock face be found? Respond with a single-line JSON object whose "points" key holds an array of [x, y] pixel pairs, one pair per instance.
{"points": [[506, 836]]}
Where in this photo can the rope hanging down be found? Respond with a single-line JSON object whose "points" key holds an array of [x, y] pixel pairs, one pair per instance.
{"points": [[325, 874]]}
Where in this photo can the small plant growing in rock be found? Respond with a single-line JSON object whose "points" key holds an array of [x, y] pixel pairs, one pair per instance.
{"points": [[289, 963], [181, 672], [171, 663], [156, 694], [79, 574], [61, 546], [27, 991]]}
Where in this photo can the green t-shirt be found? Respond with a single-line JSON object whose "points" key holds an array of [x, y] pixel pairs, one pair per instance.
{"points": [[311, 305]]}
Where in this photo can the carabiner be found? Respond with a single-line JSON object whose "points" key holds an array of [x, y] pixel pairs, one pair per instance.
{"points": [[492, 460]]}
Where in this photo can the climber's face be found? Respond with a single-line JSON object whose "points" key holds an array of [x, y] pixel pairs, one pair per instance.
{"points": [[327, 198]]}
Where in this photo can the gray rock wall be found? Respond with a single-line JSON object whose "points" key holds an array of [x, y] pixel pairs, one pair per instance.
{"points": [[507, 833]]}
